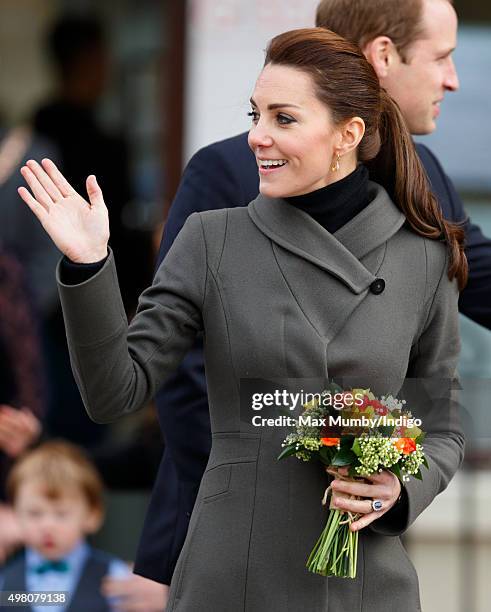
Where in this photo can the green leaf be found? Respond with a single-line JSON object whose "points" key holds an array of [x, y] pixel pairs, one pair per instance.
{"points": [[333, 388], [386, 431], [352, 471], [344, 456], [347, 441], [420, 438], [418, 475], [326, 454], [396, 470], [425, 463], [291, 449], [356, 448]]}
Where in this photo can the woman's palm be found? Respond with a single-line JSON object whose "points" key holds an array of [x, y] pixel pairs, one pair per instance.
{"points": [[78, 228]]}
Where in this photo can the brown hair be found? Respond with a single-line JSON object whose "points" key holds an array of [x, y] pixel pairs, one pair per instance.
{"points": [[363, 20], [349, 87], [59, 467]]}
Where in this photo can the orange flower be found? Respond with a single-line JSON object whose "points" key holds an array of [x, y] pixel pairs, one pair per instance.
{"points": [[405, 445], [330, 441]]}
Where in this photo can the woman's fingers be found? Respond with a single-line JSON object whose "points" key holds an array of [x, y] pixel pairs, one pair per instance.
{"points": [[381, 477], [40, 210], [359, 489], [94, 191], [358, 506], [365, 520], [383, 486], [57, 177], [52, 190], [40, 193]]}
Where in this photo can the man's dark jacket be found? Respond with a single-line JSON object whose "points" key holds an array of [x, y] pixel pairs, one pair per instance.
{"points": [[225, 175]]}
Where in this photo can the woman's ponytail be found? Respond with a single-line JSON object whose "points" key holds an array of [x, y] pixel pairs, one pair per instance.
{"points": [[398, 168]]}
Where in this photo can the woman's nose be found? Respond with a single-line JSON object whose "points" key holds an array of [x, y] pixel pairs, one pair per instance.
{"points": [[259, 137]]}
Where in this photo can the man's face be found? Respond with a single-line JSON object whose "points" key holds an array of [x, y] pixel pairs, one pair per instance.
{"points": [[419, 84]]}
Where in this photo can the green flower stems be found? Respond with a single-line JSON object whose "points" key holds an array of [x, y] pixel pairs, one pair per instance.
{"points": [[336, 551]]}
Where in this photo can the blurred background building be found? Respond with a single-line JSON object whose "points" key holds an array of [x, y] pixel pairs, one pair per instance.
{"points": [[179, 76]]}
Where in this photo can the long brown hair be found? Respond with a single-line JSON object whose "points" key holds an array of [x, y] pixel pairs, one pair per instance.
{"points": [[348, 85]]}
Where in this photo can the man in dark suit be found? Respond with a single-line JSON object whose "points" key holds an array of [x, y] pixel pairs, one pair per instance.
{"points": [[413, 48]]}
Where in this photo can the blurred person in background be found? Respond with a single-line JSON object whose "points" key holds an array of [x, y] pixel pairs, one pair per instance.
{"points": [[28, 296], [80, 55], [79, 50], [22, 385], [18, 234], [410, 46], [57, 497]]}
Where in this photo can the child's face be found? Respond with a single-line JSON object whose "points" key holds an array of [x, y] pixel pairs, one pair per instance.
{"points": [[53, 527]]}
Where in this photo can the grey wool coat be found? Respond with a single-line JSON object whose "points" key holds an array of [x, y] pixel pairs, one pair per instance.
{"points": [[277, 296]]}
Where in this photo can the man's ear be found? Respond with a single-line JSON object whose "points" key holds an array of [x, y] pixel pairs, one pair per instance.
{"points": [[382, 54]]}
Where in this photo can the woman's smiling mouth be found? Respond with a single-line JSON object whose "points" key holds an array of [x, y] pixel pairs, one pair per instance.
{"points": [[267, 166]]}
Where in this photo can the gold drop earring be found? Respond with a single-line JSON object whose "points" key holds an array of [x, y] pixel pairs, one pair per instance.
{"points": [[335, 164]]}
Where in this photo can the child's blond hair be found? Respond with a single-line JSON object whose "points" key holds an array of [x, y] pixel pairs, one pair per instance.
{"points": [[59, 467]]}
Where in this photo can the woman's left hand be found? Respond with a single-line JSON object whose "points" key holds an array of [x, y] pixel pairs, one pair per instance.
{"points": [[384, 486]]}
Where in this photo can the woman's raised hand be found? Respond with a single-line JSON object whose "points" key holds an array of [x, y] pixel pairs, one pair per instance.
{"points": [[80, 229]]}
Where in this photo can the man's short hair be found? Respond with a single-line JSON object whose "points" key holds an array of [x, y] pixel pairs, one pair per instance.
{"points": [[360, 21]]}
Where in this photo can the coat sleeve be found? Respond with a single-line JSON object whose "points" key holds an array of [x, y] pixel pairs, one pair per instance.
{"points": [[475, 300], [119, 368], [432, 370]]}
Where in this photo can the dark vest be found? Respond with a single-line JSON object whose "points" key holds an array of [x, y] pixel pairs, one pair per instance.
{"points": [[87, 595]]}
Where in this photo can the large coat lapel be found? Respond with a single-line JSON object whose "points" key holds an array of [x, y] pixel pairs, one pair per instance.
{"points": [[329, 275]]}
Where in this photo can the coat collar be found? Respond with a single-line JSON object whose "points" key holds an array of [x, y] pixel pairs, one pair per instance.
{"points": [[338, 253]]}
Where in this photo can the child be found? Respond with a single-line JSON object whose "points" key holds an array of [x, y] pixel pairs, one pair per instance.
{"points": [[57, 496]]}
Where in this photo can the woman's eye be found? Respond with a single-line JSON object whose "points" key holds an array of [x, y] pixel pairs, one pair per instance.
{"points": [[285, 119], [254, 115]]}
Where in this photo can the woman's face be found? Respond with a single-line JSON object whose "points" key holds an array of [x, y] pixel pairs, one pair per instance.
{"points": [[292, 136]]}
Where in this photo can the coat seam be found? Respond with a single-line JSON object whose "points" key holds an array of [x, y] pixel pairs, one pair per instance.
{"points": [[435, 293], [251, 527], [206, 263], [225, 230], [227, 327]]}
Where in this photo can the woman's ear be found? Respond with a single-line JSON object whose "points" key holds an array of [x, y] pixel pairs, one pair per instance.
{"points": [[350, 135]]}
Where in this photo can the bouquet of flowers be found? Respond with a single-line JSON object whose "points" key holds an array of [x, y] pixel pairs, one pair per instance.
{"points": [[364, 435]]}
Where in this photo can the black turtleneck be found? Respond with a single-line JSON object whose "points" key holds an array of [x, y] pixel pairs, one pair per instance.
{"points": [[336, 204]]}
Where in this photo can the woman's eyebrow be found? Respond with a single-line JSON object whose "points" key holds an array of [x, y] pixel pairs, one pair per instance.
{"points": [[277, 105]]}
